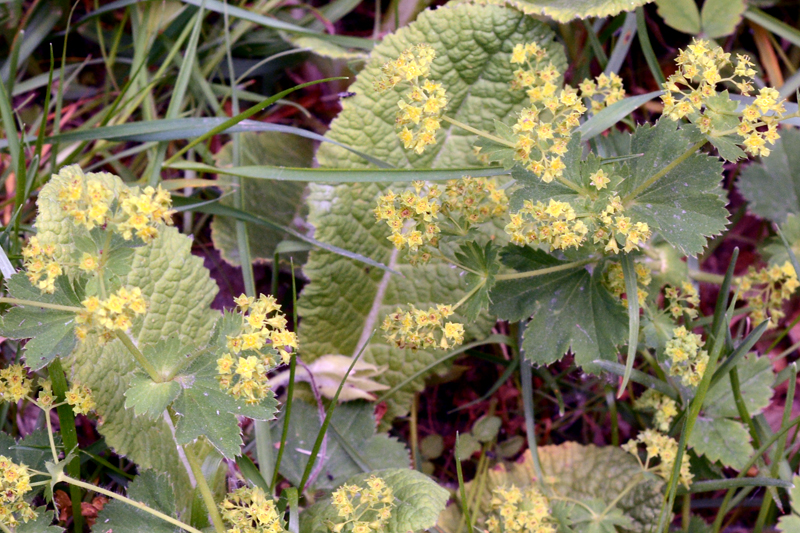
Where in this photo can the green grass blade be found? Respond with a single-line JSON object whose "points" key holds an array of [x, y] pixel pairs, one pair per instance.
{"points": [[251, 473], [609, 116], [647, 48], [213, 207], [740, 351], [632, 291], [714, 485], [620, 52], [247, 114], [39, 27], [334, 175], [778, 27], [637, 376], [461, 487]]}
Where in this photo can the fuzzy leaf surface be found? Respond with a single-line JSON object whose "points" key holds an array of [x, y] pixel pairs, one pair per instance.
{"points": [[566, 10], [772, 186], [680, 14], [344, 301], [279, 201], [419, 502], [353, 423], [569, 310], [723, 440], [154, 490], [720, 17], [52, 332], [686, 206]]}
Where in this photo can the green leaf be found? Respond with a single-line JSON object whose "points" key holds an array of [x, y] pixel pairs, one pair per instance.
{"points": [[473, 46], [325, 48], [680, 14], [52, 332], [686, 206], [791, 522], [775, 251], [720, 17], [204, 410], [569, 310], [418, 498], [152, 489], [772, 186], [483, 262], [42, 523], [486, 428], [566, 10], [599, 520], [756, 378], [278, 201], [723, 440], [353, 446], [148, 398]]}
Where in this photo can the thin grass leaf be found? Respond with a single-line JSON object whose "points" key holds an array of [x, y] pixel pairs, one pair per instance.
{"points": [[632, 290], [620, 52], [251, 473], [647, 48], [461, 487], [328, 414], [526, 377], [6, 268], [39, 27], [714, 485], [778, 27], [292, 500], [740, 351], [334, 175], [612, 114]]}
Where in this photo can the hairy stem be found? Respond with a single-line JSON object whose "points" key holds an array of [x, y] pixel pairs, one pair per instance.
{"points": [[43, 305], [543, 271], [139, 356], [205, 490], [88, 486], [53, 449]]}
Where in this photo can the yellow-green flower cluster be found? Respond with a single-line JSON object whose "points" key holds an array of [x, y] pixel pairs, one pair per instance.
{"points": [[612, 224], [45, 399], [662, 448], [603, 91], [40, 265], [688, 360], [417, 328], [517, 511], [115, 313], [691, 93], [665, 408], [543, 129], [416, 217], [555, 224], [91, 203], [362, 509], [251, 351], [765, 291], [248, 510], [14, 383], [682, 300], [15, 481], [421, 107], [614, 280], [80, 398]]}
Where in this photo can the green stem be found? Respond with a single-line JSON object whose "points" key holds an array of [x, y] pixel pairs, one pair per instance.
{"points": [[664, 171], [53, 449], [4, 529], [62, 477], [139, 356], [205, 490], [476, 131], [469, 295], [43, 305], [629, 487], [543, 271], [706, 277]]}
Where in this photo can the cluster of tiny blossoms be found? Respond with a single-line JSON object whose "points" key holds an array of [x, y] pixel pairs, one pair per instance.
{"points": [[15, 481], [665, 408], [421, 107], [416, 218], [115, 313], [517, 511], [560, 226], [691, 93], [14, 383], [248, 510], [766, 290], [603, 90], [614, 280], [40, 266], [682, 301], [91, 203], [417, 328], [81, 399], [665, 450], [688, 360], [262, 336], [362, 509]]}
